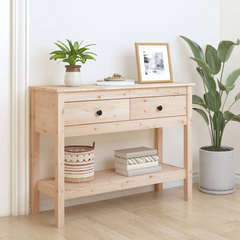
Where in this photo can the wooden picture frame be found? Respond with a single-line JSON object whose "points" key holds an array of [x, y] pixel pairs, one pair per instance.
{"points": [[153, 62]]}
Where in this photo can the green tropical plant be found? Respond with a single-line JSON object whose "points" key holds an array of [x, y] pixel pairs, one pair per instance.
{"points": [[72, 54], [210, 68]]}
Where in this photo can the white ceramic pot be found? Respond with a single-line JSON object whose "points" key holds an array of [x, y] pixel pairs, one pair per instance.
{"points": [[216, 171], [73, 76]]}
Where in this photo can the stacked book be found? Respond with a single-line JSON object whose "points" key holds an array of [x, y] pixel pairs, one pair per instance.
{"points": [[136, 161]]}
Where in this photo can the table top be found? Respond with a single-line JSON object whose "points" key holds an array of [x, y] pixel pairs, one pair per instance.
{"points": [[94, 87]]}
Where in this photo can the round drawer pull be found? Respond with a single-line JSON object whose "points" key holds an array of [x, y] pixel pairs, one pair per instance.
{"points": [[159, 108], [99, 112]]}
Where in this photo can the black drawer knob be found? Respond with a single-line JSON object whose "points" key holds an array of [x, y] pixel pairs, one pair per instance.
{"points": [[99, 112], [159, 108]]}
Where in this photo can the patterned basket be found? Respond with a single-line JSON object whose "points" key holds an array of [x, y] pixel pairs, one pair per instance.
{"points": [[79, 164]]}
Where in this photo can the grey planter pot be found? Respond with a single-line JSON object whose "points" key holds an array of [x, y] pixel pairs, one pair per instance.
{"points": [[216, 172]]}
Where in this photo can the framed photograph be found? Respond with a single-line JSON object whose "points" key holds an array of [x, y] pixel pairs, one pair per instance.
{"points": [[153, 62]]}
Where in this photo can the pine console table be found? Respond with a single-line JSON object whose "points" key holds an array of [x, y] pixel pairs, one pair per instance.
{"points": [[62, 111]]}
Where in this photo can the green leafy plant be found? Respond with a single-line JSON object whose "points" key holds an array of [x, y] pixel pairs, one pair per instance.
{"points": [[72, 54], [210, 66]]}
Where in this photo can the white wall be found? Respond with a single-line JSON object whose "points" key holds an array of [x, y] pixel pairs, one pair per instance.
{"points": [[229, 30], [5, 106], [115, 26]]}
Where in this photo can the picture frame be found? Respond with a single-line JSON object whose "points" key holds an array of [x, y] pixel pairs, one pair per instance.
{"points": [[153, 62]]}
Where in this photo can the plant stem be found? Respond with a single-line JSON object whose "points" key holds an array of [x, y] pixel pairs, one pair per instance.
{"points": [[210, 135], [231, 105], [222, 72], [211, 125], [224, 102]]}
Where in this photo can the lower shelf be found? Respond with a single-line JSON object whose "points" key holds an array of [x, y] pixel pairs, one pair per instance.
{"points": [[108, 181]]}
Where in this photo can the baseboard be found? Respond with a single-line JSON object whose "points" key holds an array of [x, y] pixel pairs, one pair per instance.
{"points": [[47, 202]]}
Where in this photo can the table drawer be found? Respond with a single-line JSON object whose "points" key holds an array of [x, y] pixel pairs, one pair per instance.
{"points": [[77, 113], [154, 107]]}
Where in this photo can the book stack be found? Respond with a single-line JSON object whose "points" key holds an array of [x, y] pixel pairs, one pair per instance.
{"points": [[136, 161]]}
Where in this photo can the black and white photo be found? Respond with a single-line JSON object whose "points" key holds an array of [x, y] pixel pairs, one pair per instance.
{"points": [[153, 60]]}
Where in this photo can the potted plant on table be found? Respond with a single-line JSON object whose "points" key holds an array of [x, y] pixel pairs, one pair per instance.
{"points": [[216, 162], [72, 54]]}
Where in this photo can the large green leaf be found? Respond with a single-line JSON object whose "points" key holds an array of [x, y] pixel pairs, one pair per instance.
{"points": [[204, 66], [213, 103], [212, 59], [198, 100], [196, 49], [225, 49], [203, 114], [229, 116], [218, 120], [232, 77], [211, 85]]}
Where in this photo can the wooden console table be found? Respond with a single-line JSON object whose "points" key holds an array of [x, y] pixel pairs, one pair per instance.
{"points": [[62, 111]]}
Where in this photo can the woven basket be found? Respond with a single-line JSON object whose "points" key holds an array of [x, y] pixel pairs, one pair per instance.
{"points": [[79, 164]]}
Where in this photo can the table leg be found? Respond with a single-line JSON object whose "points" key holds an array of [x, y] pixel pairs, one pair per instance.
{"points": [[159, 147], [188, 148], [59, 163], [34, 158]]}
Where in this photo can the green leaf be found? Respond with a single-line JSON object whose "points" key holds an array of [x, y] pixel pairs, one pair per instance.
{"points": [[71, 46], [221, 86], [229, 88], [57, 52], [232, 77], [237, 96], [61, 47], [225, 88], [69, 61], [225, 49], [211, 85], [212, 59], [198, 100], [218, 120], [196, 49], [76, 46], [57, 56], [89, 57], [213, 103], [89, 45], [203, 114], [64, 45], [90, 53], [80, 43], [81, 50], [202, 64], [231, 117], [83, 60]]}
